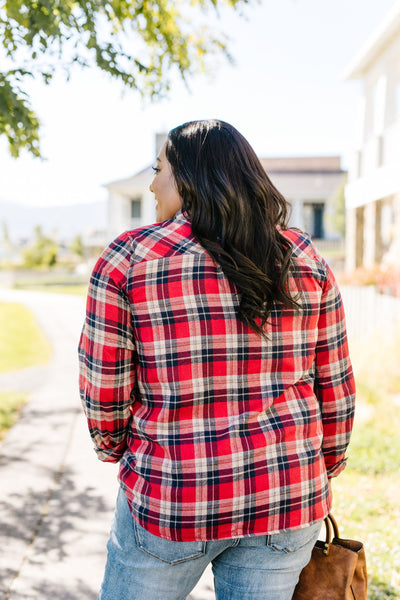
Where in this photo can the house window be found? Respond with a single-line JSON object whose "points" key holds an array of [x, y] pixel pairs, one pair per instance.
{"points": [[398, 99], [313, 218], [380, 151], [378, 105], [359, 164], [136, 208]]}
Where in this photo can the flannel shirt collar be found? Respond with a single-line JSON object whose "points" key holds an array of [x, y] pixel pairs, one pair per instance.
{"points": [[180, 217]]}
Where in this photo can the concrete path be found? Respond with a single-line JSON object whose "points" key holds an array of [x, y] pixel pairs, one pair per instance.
{"points": [[56, 498]]}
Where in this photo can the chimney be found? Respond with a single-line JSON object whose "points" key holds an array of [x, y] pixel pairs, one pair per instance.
{"points": [[160, 139]]}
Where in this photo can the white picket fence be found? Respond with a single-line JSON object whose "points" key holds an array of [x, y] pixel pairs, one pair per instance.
{"points": [[369, 313]]}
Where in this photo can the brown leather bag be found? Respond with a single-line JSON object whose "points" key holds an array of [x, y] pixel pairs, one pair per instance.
{"points": [[337, 569]]}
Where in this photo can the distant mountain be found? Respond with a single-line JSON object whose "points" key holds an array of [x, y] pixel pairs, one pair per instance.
{"points": [[64, 222]]}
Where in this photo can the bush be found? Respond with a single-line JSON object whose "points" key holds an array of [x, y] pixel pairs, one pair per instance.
{"points": [[386, 279]]}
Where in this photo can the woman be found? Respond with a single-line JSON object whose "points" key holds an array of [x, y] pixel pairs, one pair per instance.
{"points": [[215, 368]]}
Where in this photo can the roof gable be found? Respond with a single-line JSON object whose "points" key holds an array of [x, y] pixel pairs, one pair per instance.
{"points": [[376, 44]]}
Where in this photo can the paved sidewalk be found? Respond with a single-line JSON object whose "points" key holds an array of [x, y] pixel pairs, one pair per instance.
{"points": [[56, 498]]}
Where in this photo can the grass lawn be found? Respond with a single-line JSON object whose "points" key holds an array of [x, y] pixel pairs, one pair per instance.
{"points": [[366, 494], [78, 289], [22, 344], [10, 407]]}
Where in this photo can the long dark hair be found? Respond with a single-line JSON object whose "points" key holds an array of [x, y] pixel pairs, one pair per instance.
{"points": [[236, 213]]}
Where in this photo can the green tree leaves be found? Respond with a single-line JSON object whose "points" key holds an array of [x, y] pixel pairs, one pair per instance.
{"points": [[142, 43], [18, 122], [42, 252]]}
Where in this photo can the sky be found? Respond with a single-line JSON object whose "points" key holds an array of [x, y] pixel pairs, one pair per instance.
{"points": [[286, 94]]}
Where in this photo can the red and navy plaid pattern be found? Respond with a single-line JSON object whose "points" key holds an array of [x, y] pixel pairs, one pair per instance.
{"points": [[220, 433]]}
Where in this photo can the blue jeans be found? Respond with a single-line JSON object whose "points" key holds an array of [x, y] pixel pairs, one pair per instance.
{"points": [[141, 566]]}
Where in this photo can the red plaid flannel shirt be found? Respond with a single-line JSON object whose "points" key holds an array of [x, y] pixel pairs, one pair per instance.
{"points": [[219, 432]]}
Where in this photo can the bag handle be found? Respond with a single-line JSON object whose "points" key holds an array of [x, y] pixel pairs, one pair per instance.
{"points": [[334, 525], [330, 524]]}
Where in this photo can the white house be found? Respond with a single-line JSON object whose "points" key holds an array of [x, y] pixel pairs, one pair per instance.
{"points": [[130, 202], [373, 190], [308, 183]]}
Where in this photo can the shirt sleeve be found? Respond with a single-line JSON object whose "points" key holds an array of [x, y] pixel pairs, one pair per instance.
{"points": [[107, 355], [334, 380]]}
